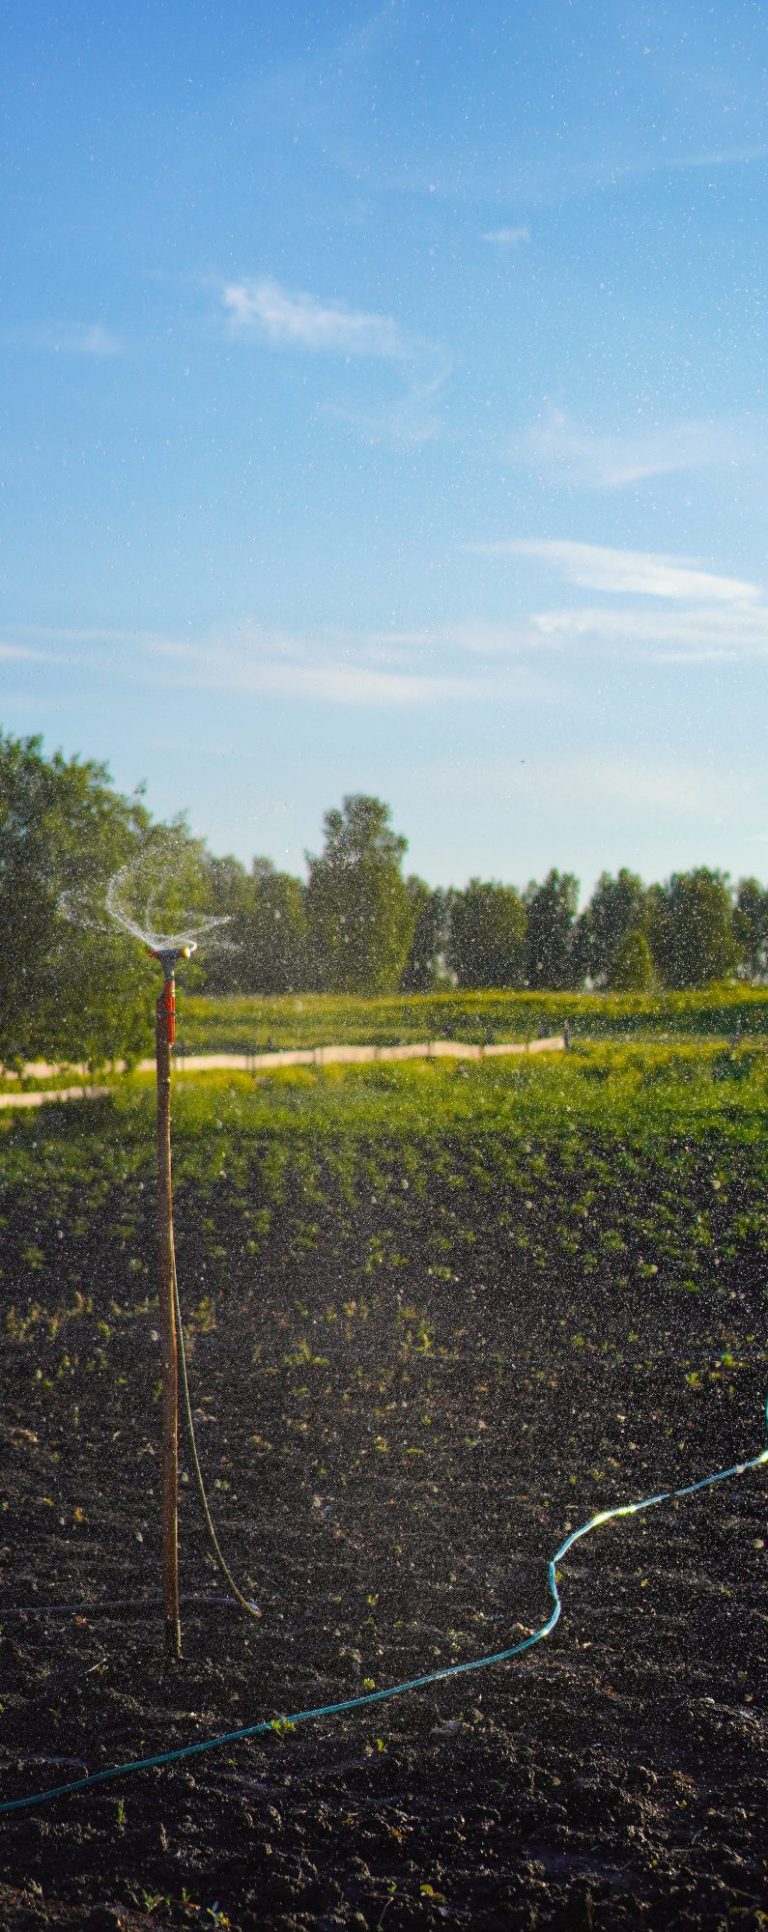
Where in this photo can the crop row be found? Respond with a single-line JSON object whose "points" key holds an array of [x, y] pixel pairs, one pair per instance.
{"points": [[631, 1178], [251, 1024]]}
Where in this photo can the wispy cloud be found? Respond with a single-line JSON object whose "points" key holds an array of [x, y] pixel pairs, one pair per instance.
{"points": [[506, 238], [365, 669], [566, 453], [697, 633], [410, 418], [651, 608], [657, 606], [643, 573], [371, 672], [262, 307], [738, 156], [79, 339]]}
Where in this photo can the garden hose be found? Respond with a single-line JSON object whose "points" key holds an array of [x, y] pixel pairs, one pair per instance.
{"points": [[246, 1603], [265, 1726]]}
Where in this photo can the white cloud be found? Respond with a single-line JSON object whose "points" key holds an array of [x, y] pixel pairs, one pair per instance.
{"points": [[361, 672], [329, 666], [736, 157], [687, 633], [81, 339], [567, 453], [408, 419], [507, 237], [643, 573], [262, 307]]}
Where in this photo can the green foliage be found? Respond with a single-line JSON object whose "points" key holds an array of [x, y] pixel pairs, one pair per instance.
{"points": [[691, 928], [487, 935], [750, 922], [643, 1166], [267, 950], [552, 955], [617, 907], [361, 916], [72, 990], [66, 989], [631, 968], [318, 1019], [425, 969]]}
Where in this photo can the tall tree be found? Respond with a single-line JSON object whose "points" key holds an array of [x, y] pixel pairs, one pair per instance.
{"points": [[487, 935], [692, 928], [70, 987], [264, 949], [229, 895], [425, 967], [632, 969], [552, 958], [618, 906], [275, 945], [361, 916], [750, 923]]}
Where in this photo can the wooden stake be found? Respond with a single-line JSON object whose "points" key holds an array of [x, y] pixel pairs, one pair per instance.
{"points": [[168, 1336]]}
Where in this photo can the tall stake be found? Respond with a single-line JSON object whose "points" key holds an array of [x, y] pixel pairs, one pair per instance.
{"points": [[164, 1037]]}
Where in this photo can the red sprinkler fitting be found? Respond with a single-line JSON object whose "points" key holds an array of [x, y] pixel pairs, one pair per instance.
{"points": [[169, 1006], [168, 955]]}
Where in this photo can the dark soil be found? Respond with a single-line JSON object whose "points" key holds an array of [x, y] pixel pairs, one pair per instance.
{"points": [[391, 1460]]}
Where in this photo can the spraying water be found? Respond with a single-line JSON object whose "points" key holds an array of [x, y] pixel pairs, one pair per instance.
{"points": [[137, 897]]}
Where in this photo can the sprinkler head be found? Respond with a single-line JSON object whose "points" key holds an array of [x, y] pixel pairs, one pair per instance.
{"points": [[169, 955]]}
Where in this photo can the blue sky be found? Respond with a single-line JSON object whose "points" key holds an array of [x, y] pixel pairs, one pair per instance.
{"points": [[385, 411]]}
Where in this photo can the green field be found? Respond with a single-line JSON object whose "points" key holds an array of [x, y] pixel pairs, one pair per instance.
{"points": [[241, 1025], [641, 1168]]}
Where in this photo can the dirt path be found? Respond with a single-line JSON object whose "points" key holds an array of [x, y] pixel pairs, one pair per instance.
{"points": [[52, 1093], [325, 1056]]}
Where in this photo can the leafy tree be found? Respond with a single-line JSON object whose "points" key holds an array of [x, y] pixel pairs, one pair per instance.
{"points": [[425, 968], [632, 969], [361, 916], [275, 945], [618, 906], [265, 944], [552, 959], [750, 924], [228, 895], [692, 928], [67, 990], [487, 935]]}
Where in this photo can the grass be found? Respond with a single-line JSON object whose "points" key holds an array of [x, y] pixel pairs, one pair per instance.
{"points": [[318, 1019]]}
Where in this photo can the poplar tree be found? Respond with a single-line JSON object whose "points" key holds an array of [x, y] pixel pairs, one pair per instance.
{"points": [[488, 929], [361, 916]]}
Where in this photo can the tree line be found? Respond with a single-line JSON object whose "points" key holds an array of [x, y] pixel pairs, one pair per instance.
{"points": [[72, 985]]}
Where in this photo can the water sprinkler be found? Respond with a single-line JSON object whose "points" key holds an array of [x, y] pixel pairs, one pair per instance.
{"points": [[167, 948], [165, 1035], [167, 957]]}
